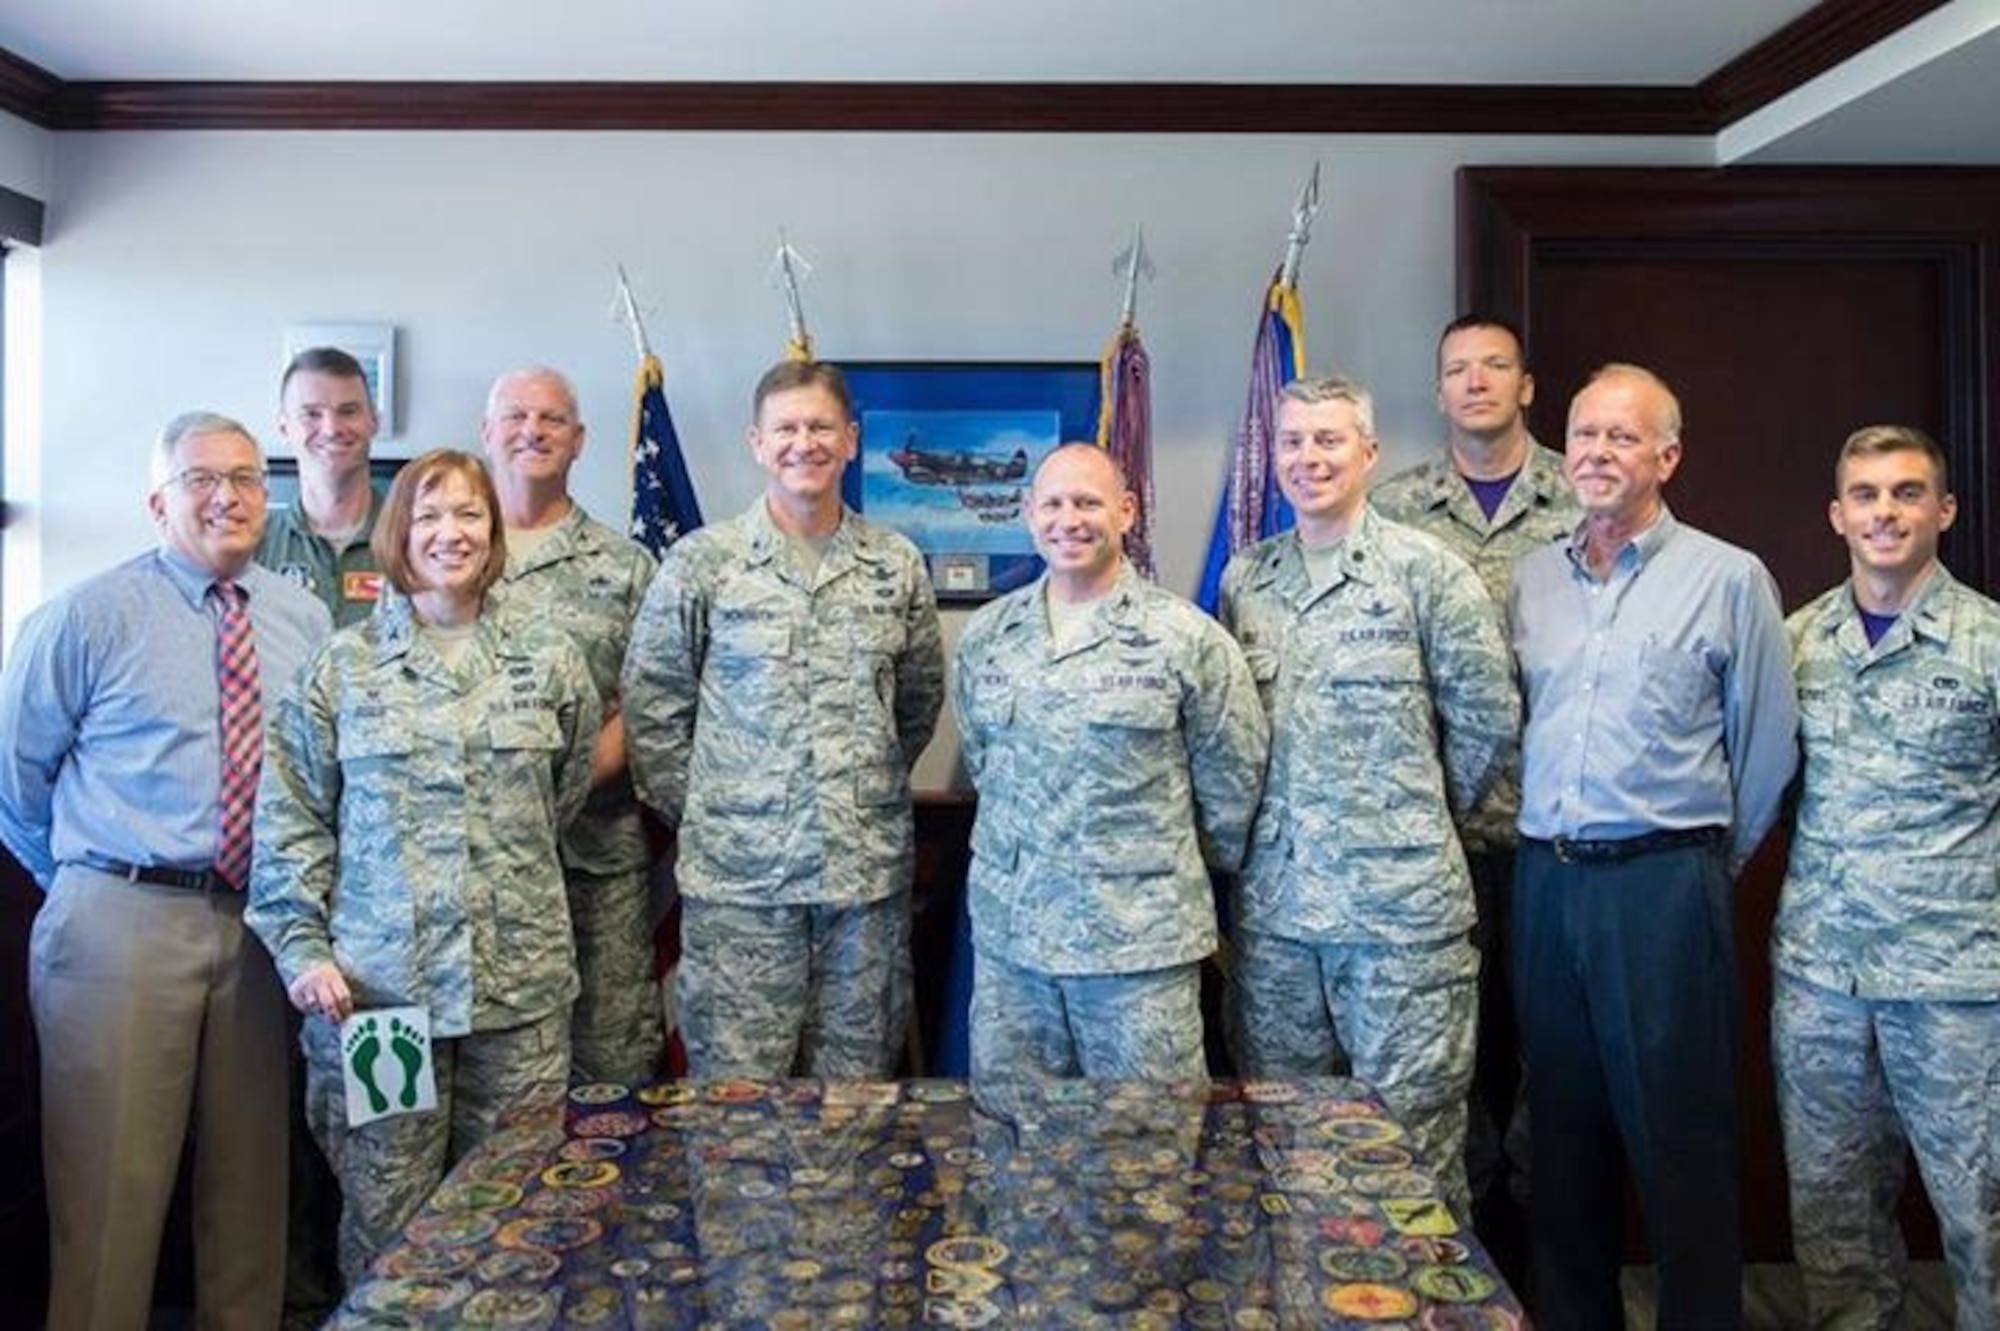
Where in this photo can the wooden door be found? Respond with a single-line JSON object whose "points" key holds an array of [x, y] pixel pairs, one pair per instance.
{"points": [[1786, 307]]}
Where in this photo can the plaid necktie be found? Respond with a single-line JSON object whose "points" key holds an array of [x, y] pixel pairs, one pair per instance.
{"points": [[242, 729]]}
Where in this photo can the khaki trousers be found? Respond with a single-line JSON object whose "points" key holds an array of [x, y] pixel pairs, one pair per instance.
{"points": [[158, 1014]]}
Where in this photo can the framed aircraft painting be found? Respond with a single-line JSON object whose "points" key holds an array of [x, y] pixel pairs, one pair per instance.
{"points": [[947, 448]]}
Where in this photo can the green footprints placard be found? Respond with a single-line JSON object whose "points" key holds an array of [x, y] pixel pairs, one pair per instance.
{"points": [[386, 1055]]}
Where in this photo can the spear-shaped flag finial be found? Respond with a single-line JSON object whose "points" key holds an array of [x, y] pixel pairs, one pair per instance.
{"points": [[1301, 232], [1132, 264], [625, 310], [788, 269]]}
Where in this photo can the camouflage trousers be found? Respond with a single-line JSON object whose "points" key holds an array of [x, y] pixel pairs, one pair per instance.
{"points": [[794, 991], [389, 1167], [615, 1028], [1856, 1078], [1132, 1027], [1403, 1017]]}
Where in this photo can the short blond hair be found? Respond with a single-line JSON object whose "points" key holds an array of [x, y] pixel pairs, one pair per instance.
{"points": [[1669, 428], [1334, 388]]}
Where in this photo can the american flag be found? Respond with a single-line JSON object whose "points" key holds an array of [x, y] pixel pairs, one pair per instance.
{"points": [[663, 504], [664, 509], [1251, 507]]}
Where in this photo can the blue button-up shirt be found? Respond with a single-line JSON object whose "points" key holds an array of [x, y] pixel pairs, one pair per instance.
{"points": [[109, 723], [1659, 698]]}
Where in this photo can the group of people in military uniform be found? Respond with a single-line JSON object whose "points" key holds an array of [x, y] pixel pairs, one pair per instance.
{"points": [[1481, 756], [1477, 754]]}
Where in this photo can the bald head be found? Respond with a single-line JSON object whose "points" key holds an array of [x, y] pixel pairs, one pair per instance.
{"points": [[1067, 458], [1079, 509]]}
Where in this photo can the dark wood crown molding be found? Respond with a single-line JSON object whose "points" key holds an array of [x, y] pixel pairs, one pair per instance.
{"points": [[1226, 108], [27, 90], [1805, 48], [1817, 40]]}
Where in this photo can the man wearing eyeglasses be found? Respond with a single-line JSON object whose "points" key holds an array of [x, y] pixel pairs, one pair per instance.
{"points": [[321, 540], [130, 741], [784, 674]]}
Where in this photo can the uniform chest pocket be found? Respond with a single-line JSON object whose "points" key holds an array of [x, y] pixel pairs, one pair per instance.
{"points": [[1365, 655], [1964, 740], [1263, 665], [1142, 712], [877, 635], [741, 649], [875, 643], [1131, 745], [525, 730], [374, 740], [1819, 715], [989, 707]]}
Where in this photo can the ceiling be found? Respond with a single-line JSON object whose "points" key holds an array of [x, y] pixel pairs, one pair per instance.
{"points": [[1848, 80], [1929, 94], [1343, 41]]}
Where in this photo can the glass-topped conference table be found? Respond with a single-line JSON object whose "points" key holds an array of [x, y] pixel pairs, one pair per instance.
{"points": [[804, 1205]]}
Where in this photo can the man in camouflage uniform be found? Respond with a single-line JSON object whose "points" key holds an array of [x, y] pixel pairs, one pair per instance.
{"points": [[1382, 666], [1114, 736], [566, 569], [785, 673], [321, 540], [1885, 1023], [1493, 496], [415, 787]]}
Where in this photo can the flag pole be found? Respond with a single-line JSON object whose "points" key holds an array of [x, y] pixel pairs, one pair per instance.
{"points": [[629, 309], [1133, 263], [788, 266], [1301, 233]]}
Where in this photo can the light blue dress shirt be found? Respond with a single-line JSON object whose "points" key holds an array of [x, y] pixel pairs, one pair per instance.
{"points": [[1658, 699], [109, 724]]}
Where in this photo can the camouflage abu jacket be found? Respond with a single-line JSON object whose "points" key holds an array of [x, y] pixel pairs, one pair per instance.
{"points": [[1894, 885], [1392, 704], [587, 580], [773, 719], [1111, 773], [409, 814]]}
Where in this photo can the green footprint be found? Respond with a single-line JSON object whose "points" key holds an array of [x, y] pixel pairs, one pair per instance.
{"points": [[403, 1044], [364, 1046]]}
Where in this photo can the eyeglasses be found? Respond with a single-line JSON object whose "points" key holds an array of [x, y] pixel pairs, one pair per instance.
{"points": [[201, 482]]}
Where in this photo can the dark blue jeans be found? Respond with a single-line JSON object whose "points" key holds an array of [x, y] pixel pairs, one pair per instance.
{"points": [[1625, 988]]}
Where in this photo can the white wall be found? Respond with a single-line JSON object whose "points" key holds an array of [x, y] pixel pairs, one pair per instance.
{"points": [[25, 151], [175, 259]]}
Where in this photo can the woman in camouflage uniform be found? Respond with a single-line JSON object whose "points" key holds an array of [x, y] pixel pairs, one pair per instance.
{"points": [[414, 788]]}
